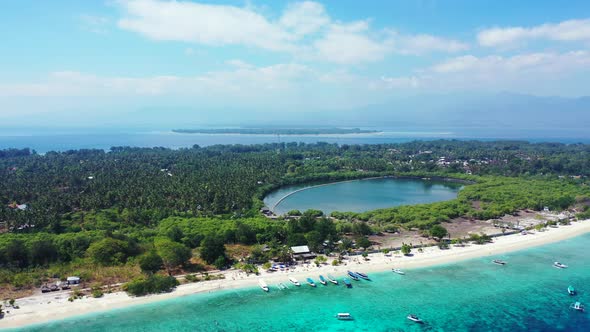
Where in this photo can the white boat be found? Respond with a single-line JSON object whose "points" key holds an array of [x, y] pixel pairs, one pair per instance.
{"points": [[294, 281], [577, 306], [332, 279], [263, 285], [559, 265], [415, 318], [398, 271], [343, 316]]}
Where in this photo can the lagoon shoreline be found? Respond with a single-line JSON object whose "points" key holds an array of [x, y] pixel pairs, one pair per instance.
{"points": [[44, 308]]}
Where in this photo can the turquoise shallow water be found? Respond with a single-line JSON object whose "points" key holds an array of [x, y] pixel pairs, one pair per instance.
{"points": [[526, 295], [362, 195]]}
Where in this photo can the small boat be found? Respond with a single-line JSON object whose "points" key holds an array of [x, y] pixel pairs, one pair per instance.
{"points": [[263, 285], [577, 306], [282, 286], [343, 316], [332, 279], [415, 318], [398, 271], [571, 290], [347, 283], [310, 282], [353, 275], [362, 275], [294, 281], [499, 262], [323, 280], [559, 265]]}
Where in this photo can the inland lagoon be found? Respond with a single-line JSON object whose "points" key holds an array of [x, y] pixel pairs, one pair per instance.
{"points": [[360, 195]]}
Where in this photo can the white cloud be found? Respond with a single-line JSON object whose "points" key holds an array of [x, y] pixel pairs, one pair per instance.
{"points": [[495, 65], [304, 18], [203, 23], [571, 30], [304, 29], [351, 43], [421, 44]]}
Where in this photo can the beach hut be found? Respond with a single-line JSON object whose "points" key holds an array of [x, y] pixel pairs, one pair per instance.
{"points": [[302, 252], [73, 280]]}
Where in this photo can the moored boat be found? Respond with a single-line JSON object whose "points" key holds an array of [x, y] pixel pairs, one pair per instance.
{"points": [[571, 290], [499, 262], [347, 283], [310, 282], [415, 318], [559, 265], [398, 271], [577, 306], [323, 280], [353, 275], [362, 275], [343, 316], [332, 279], [263, 285], [294, 281]]}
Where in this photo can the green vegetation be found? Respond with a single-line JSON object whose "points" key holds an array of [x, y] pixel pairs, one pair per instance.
{"points": [[150, 285], [109, 216]]}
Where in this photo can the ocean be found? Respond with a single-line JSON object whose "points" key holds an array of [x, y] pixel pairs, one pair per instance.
{"points": [[45, 140], [527, 294]]}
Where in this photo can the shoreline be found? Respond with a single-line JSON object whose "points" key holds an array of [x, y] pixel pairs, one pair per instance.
{"points": [[44, 308]]}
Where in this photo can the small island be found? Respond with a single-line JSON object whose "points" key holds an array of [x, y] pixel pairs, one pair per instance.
{"points": [[278, 131]]}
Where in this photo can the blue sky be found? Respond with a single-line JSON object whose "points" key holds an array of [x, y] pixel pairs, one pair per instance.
{"points": [[64, 58]]}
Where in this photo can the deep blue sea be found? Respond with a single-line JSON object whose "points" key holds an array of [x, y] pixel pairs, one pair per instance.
{"points": [[44, 140], [528, 294]]}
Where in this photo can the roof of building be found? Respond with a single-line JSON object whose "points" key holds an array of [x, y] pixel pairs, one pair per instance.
{"points": [[300, 250]]}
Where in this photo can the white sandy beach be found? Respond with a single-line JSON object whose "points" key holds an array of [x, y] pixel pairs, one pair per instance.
{"points": [[55, 306]]}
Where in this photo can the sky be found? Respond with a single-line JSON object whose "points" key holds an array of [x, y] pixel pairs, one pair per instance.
{"points": [[96, 61]]}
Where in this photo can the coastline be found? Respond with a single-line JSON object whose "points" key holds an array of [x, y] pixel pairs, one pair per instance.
{"points": [[49, 307]]}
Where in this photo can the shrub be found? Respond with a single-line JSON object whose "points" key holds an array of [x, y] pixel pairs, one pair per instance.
{"points": [[151, 285]]}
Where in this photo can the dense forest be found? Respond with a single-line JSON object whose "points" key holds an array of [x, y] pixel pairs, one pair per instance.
{"points": [[110, 215]]}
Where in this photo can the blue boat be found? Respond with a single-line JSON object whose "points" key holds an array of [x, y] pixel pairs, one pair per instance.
{"points": [[323, 280], [347, 283], [362, 275], [353, 275], [310, 282]]}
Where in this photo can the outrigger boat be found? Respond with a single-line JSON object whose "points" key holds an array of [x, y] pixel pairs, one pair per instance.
{"points": [[499, 262], [353, 275], [362, 275], [559, 265], [263, 285], [577, 306], [347, 283], [294, 281], [343, 316], [398, 271], [571, 290], [310, 282], [415, 318], [332, 279], [323, 280]]}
